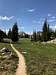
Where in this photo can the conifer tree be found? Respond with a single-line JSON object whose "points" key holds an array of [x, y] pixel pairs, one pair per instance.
{"points": [[45, 31], [15, 33]]}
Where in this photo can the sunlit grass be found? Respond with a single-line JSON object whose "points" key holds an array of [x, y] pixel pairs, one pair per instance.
{"points": [[40, 58]]}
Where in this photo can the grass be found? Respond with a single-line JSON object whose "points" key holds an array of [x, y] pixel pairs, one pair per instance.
{"points": [[40, 58], [8, 64]]}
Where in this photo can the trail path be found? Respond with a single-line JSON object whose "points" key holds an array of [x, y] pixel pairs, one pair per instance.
{"points": [[21, 70]]}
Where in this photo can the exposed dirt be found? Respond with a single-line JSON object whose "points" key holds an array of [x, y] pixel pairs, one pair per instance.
{"points": [[21, 70]]}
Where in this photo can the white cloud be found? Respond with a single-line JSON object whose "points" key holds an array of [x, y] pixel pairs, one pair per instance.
{"points": [[7, 31], [51, 20], [53, 27], [31, 10], [49, 15], [6, 18], [53, 17]]}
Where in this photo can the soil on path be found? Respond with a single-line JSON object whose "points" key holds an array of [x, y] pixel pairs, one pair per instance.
{"points": [[21, 70]]}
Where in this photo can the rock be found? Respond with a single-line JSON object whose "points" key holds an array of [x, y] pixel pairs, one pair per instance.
{"points": [[5, 50], [2, 49], [3, 53]]}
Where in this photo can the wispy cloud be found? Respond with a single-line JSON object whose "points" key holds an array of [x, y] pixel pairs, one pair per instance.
{"points": [[49, 15], [53, 17], [31, 10], [51, 20], [40, 21], [35, 21], [6, 18]]}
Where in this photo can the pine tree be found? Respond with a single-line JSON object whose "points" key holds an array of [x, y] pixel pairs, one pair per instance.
{"points": [[55, 33], [45, 31], [15, 33], [38, 36], [2, 35], [9, 34], [48, 33], [34, 36]]}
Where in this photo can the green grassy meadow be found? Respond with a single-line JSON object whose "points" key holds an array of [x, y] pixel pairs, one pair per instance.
{"points": [[40, 58], [8, 64]]}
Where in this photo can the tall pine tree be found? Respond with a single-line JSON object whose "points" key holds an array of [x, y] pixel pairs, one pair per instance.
{"points": [[15, 33], [45, 31], [9, 34], [34, 36], [48, 33]]}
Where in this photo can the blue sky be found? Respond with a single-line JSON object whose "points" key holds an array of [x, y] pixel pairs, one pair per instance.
{"points": [[29, 14]]}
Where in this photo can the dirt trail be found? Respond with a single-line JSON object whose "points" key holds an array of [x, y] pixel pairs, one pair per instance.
{"points": [[21, 70]]}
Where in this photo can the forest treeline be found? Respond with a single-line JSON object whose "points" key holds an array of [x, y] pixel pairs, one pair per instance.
{"points": [[45, 35]]}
